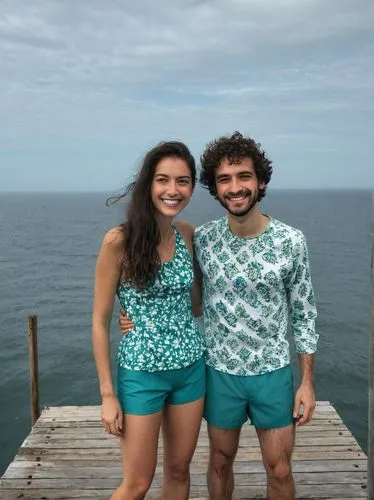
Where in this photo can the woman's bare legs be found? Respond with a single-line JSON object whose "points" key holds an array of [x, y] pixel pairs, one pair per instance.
{"points": [[139, 455], [180, 427]]}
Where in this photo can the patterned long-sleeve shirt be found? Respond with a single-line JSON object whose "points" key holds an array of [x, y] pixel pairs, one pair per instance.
{"points": [[252, 287]]}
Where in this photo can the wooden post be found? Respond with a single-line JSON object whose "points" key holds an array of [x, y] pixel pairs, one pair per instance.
{"points": [[34, 370], [371, 380]]}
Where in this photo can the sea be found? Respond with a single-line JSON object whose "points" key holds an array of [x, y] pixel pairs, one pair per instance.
{"points": [[48, 248]]}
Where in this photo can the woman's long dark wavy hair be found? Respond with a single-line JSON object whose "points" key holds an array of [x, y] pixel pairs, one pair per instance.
{"points": [[141, 261]]}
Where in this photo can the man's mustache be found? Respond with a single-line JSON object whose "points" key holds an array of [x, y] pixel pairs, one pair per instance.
{"points": [[244, 192]]}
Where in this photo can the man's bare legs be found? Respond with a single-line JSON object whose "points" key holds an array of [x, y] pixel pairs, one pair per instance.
{"points": [[276, 447], [223, 447]]}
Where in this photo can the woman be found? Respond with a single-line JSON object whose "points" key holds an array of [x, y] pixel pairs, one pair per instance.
{"points": [[147, 263]]}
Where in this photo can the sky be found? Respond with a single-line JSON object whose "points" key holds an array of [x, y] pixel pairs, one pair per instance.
{"points": [[88, 86]]}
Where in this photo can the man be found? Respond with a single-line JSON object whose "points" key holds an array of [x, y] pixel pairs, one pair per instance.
{"points": [[255, 271], [255, 277]]}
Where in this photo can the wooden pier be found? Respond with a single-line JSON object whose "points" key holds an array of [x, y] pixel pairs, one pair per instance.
{"points": [[68, 455]]}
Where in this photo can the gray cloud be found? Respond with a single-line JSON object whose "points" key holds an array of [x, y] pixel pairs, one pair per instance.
{"points": [[76, 76]]}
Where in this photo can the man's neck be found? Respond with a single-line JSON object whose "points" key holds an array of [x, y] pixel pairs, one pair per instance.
{"points": [[250, 225]]}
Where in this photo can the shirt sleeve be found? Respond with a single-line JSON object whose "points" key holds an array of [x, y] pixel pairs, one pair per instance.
{"points": [[302, 306]]}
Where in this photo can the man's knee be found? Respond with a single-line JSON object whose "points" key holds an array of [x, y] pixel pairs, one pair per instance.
{"points": [[280, 470]]}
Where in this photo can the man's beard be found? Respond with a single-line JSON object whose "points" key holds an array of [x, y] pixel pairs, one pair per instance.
{"points": [[240, 212]]}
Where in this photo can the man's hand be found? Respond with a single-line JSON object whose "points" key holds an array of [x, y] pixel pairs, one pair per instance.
{"points": [[125, 323], [304, 397]]}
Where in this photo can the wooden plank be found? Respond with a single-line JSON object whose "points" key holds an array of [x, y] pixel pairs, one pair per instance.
{"points": [[85, 411], [64, 494], [34, 441], [113, 458], [94, 446], [21, 468], [96, 450], [44, 427], [86, 472], [71, 429], [68, 455], [99, 434], [104, 495], [95, 483], [317, 492]]}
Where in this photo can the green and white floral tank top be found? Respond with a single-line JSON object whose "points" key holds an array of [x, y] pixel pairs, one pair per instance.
{"points": [[165, 336]]}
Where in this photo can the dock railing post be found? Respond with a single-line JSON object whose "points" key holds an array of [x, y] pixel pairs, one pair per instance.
{"points": [[34, 370], [371, 378]]}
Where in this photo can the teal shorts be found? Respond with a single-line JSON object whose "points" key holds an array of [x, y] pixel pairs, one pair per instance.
{"points": [[267, 400], [143, 393]]}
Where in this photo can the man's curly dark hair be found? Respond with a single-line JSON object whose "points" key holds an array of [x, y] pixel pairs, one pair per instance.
{"points": [[234, 148]]}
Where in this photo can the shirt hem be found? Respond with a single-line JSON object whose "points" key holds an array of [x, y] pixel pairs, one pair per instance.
{"points": [[158, 368], [249, 373]]}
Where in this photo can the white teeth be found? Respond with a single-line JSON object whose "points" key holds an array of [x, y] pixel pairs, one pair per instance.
{"points": [[238, 199], [171, 202]]}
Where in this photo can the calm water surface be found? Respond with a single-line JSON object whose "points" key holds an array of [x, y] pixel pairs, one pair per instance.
{"points": [[48, 248]]}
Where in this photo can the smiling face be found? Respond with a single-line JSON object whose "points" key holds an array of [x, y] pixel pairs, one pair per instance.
{"points": [[172, 187], [237, 186]]}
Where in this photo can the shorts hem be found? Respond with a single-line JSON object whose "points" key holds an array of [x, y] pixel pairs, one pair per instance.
{"points": [[224, 426], [160, 369], [142, 412], [188, 400], [279, 425]]}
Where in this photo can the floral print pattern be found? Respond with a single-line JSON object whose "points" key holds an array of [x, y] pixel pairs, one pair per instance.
{"points": [[165, 336], [251, 287]]}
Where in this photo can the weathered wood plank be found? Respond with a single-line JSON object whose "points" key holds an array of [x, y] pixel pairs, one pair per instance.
{"points": [[104, 495], [316, 492], [68, 455], [326, 453], [74, 430], [199, 478], [95, 483], [75, 468], [34, 441]]}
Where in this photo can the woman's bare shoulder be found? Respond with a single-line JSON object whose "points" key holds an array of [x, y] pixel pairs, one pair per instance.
{"points": [[186, 230], [115, 237], [185, 227]]}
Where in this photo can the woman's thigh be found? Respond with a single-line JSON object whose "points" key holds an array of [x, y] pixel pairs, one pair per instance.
{"points": [[139, 445], [180, 427]]}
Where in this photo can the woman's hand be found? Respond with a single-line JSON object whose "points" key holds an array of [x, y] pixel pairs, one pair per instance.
{"points": [[111, 415]]}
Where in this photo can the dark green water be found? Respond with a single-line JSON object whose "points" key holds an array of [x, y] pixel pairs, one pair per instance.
{"points": [[48, 246]]}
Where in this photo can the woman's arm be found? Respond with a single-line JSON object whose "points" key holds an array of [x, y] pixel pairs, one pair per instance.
{"points": [[187, 231], [107, 276], [196, 296]]}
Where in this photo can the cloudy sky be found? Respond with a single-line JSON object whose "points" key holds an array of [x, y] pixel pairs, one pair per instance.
{"points": [[87, 86]]}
